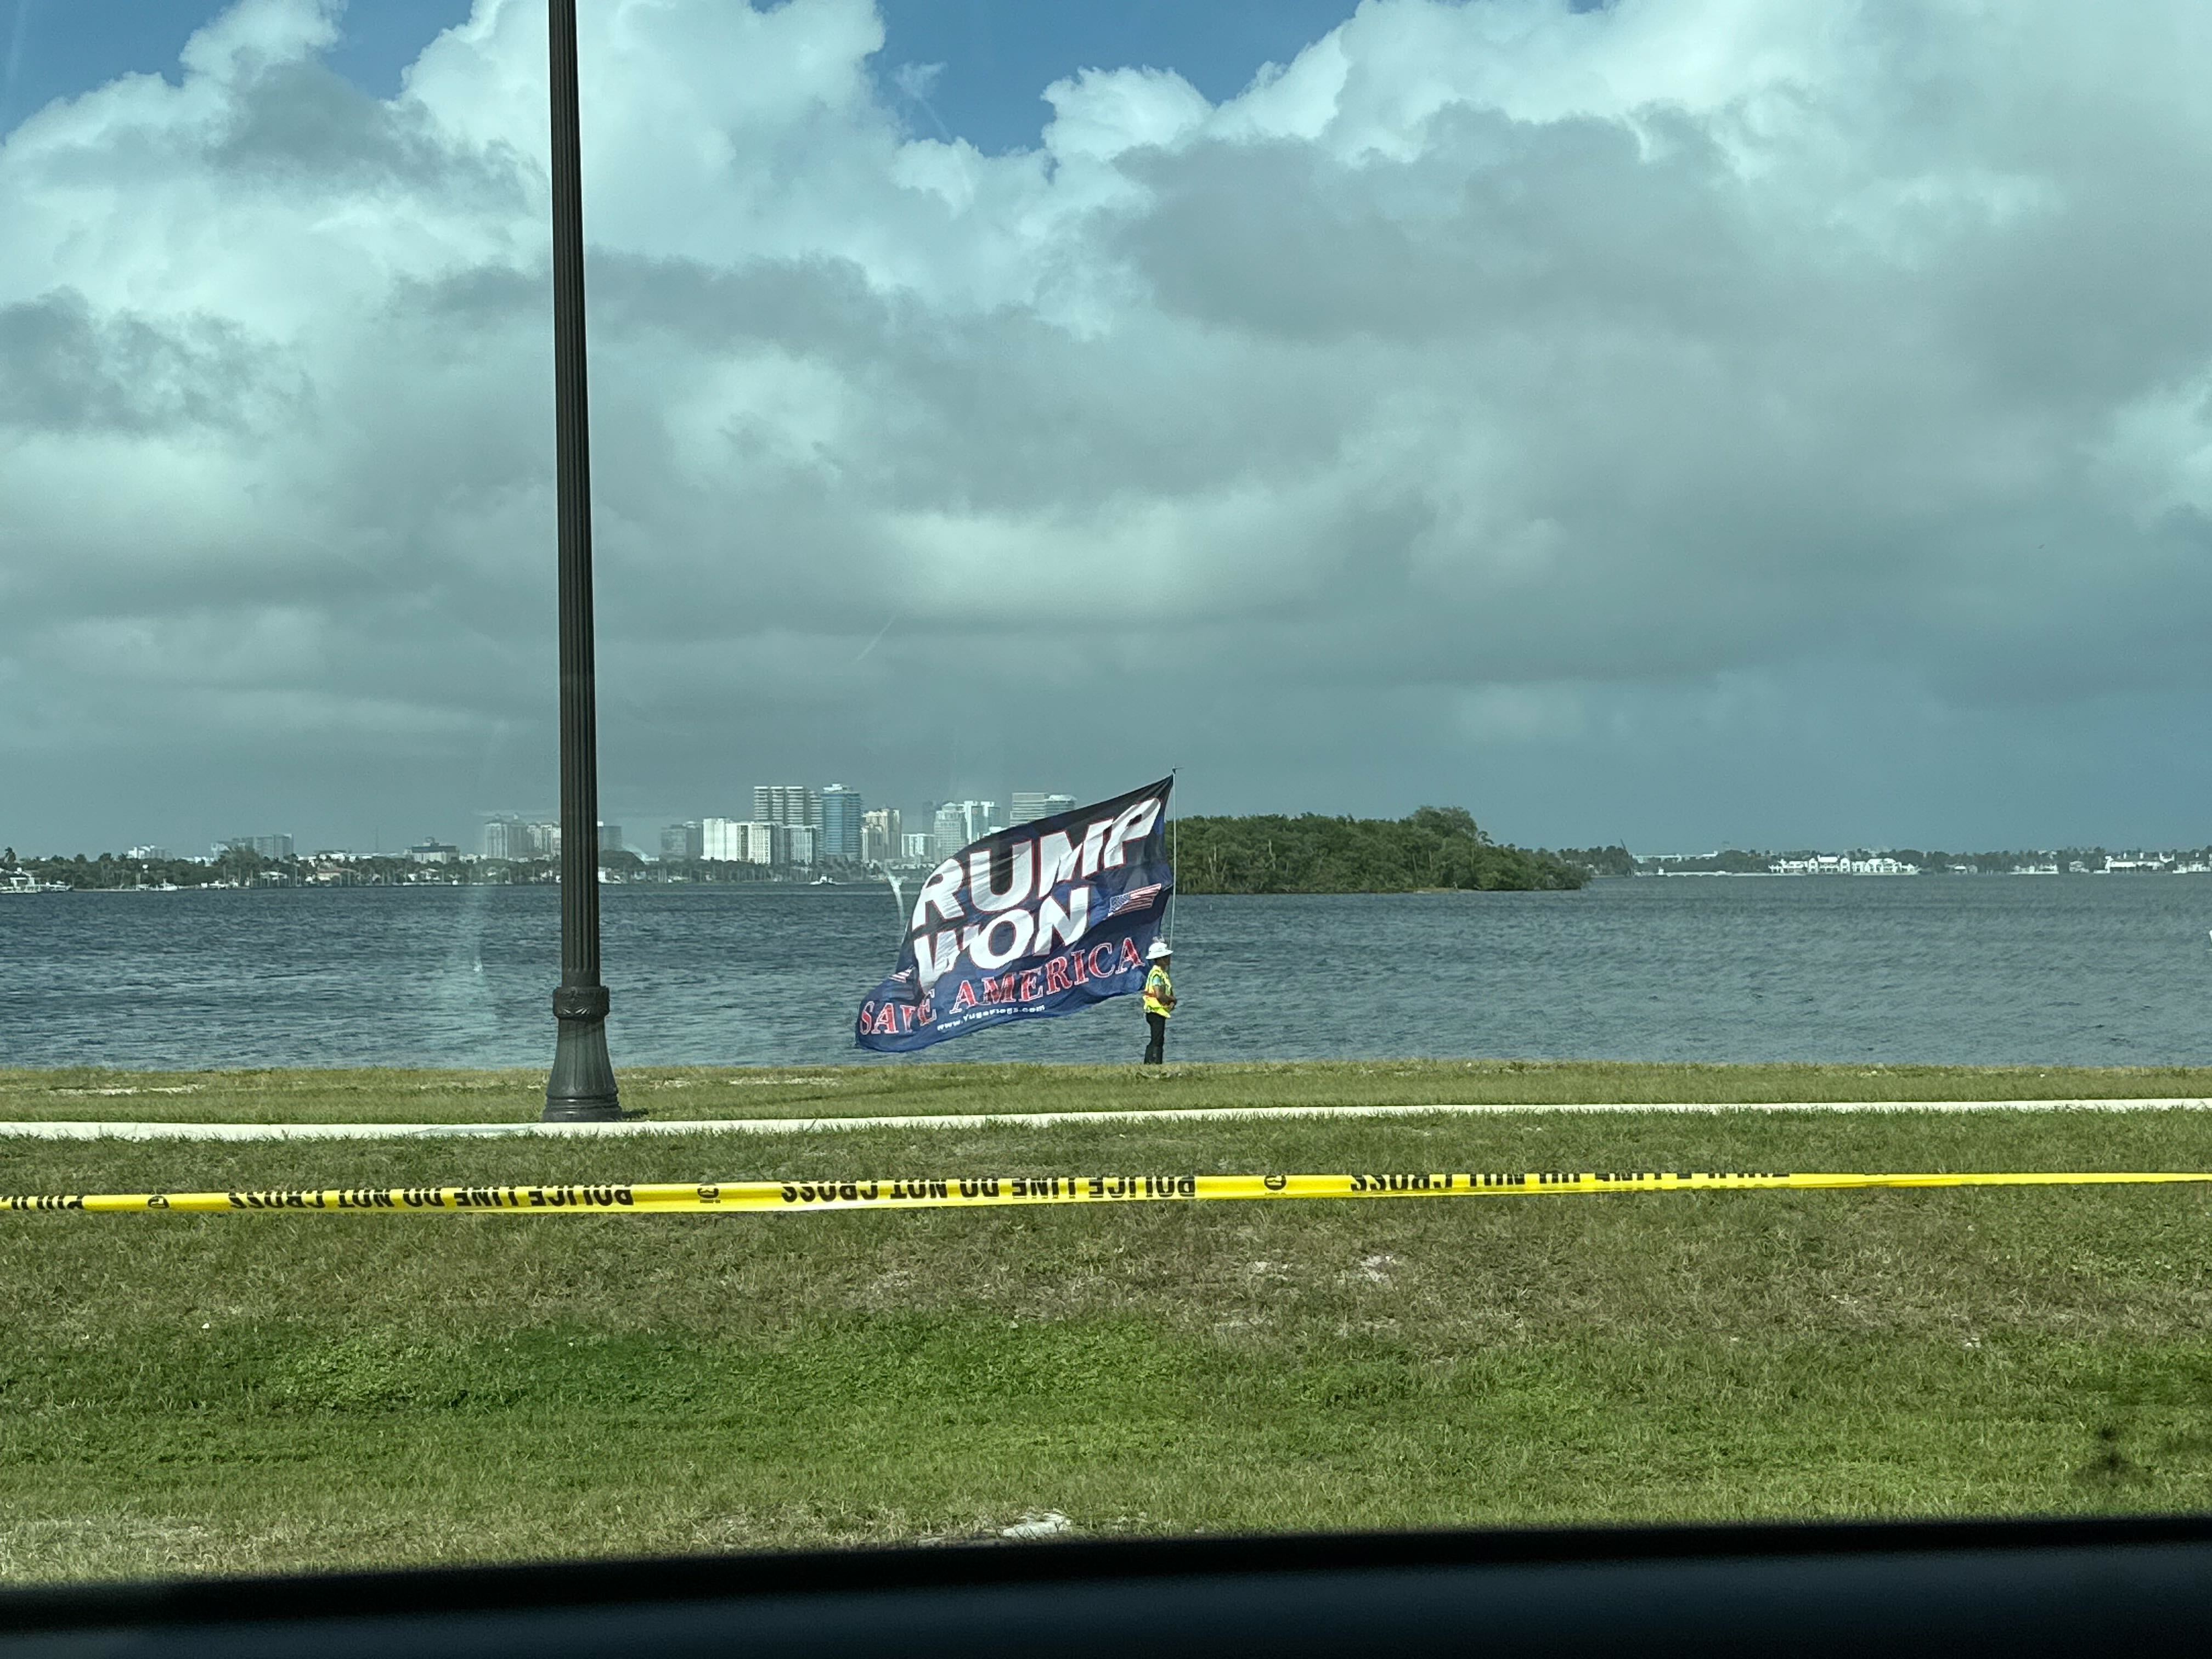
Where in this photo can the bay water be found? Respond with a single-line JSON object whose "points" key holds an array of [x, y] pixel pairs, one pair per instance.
{"points": [[1969, 970]]}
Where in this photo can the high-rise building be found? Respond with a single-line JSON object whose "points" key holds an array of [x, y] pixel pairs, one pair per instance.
{"points": [[957, 823], [683, 841], [506, 838], [879, 835], [433, 851], [269, 846], [1030, 806], [840, 823], [787, 802], [948, 829], [545, 840], [917, 846], [611, 837], [737, 840], [801, 844]]}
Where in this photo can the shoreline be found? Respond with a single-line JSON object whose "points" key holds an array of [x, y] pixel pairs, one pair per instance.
{"points": [[659, 1095]]}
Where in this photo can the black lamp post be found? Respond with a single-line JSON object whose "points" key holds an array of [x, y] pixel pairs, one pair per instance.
{"points": [[582, 1085]]}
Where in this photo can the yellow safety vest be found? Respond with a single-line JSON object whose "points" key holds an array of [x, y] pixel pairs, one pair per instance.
{"points": [[1159, 991]]}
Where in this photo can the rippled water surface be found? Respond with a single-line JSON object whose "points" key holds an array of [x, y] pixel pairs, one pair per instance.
{"points": [[2089, 970]]}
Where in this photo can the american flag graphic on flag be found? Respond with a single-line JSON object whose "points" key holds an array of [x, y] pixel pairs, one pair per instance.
{"points": [[1137, 898]]}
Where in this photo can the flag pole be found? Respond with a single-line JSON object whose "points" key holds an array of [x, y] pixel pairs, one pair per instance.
{"points": [[1175, 857]]}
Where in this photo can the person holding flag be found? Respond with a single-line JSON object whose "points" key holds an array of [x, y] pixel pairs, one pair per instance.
{"points": [[1159, 1000]]}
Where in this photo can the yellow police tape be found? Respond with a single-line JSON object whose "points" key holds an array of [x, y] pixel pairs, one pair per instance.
{"points": [[956, 1192]]}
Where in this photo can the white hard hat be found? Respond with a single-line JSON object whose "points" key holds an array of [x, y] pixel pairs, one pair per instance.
{"points": [[1159, 949]]}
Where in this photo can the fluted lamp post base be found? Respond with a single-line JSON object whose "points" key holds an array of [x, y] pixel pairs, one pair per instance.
{"points": [[582, 1089]]}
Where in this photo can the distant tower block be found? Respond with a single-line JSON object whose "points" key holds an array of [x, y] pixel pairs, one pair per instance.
{"points": [[1029, 806]]}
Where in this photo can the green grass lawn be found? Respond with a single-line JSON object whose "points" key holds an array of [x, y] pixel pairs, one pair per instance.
{"points": [[185, 1393], [664, 1091]]}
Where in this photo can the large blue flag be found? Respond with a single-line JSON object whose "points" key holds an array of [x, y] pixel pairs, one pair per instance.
{"points": [[1030, 923]]}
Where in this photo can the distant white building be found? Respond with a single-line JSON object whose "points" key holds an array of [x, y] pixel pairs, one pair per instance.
{"points": [[433, 851], [787, 802], [1030, 806], [1840, 863], [510, 838], [879, 835], [737, 840], [949, 830], [959, 822], [506, 838], [917, 846], [269, 847]]}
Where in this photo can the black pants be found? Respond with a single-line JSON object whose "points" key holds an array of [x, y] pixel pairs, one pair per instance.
{"points": [[1156, 1050]]}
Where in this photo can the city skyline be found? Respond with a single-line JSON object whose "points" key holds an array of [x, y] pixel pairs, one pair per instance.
{"points": [[538, 831], [887, 841]]}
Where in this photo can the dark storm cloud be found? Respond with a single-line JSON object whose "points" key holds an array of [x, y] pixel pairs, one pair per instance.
{"points": [[1566, 223], [64, 368], [298, 125]]}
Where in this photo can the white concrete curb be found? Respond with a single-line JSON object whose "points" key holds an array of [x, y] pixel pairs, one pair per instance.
{"points": [[58, 1130]]}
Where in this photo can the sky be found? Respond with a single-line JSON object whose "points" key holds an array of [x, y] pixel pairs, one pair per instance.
{"points": [[1684, 424]]}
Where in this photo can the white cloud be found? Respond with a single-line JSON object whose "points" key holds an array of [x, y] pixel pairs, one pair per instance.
{"points": [[1477, 378]]}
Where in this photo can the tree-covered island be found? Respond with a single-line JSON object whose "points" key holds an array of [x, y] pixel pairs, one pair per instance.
{"points": [[1437, 848]]}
